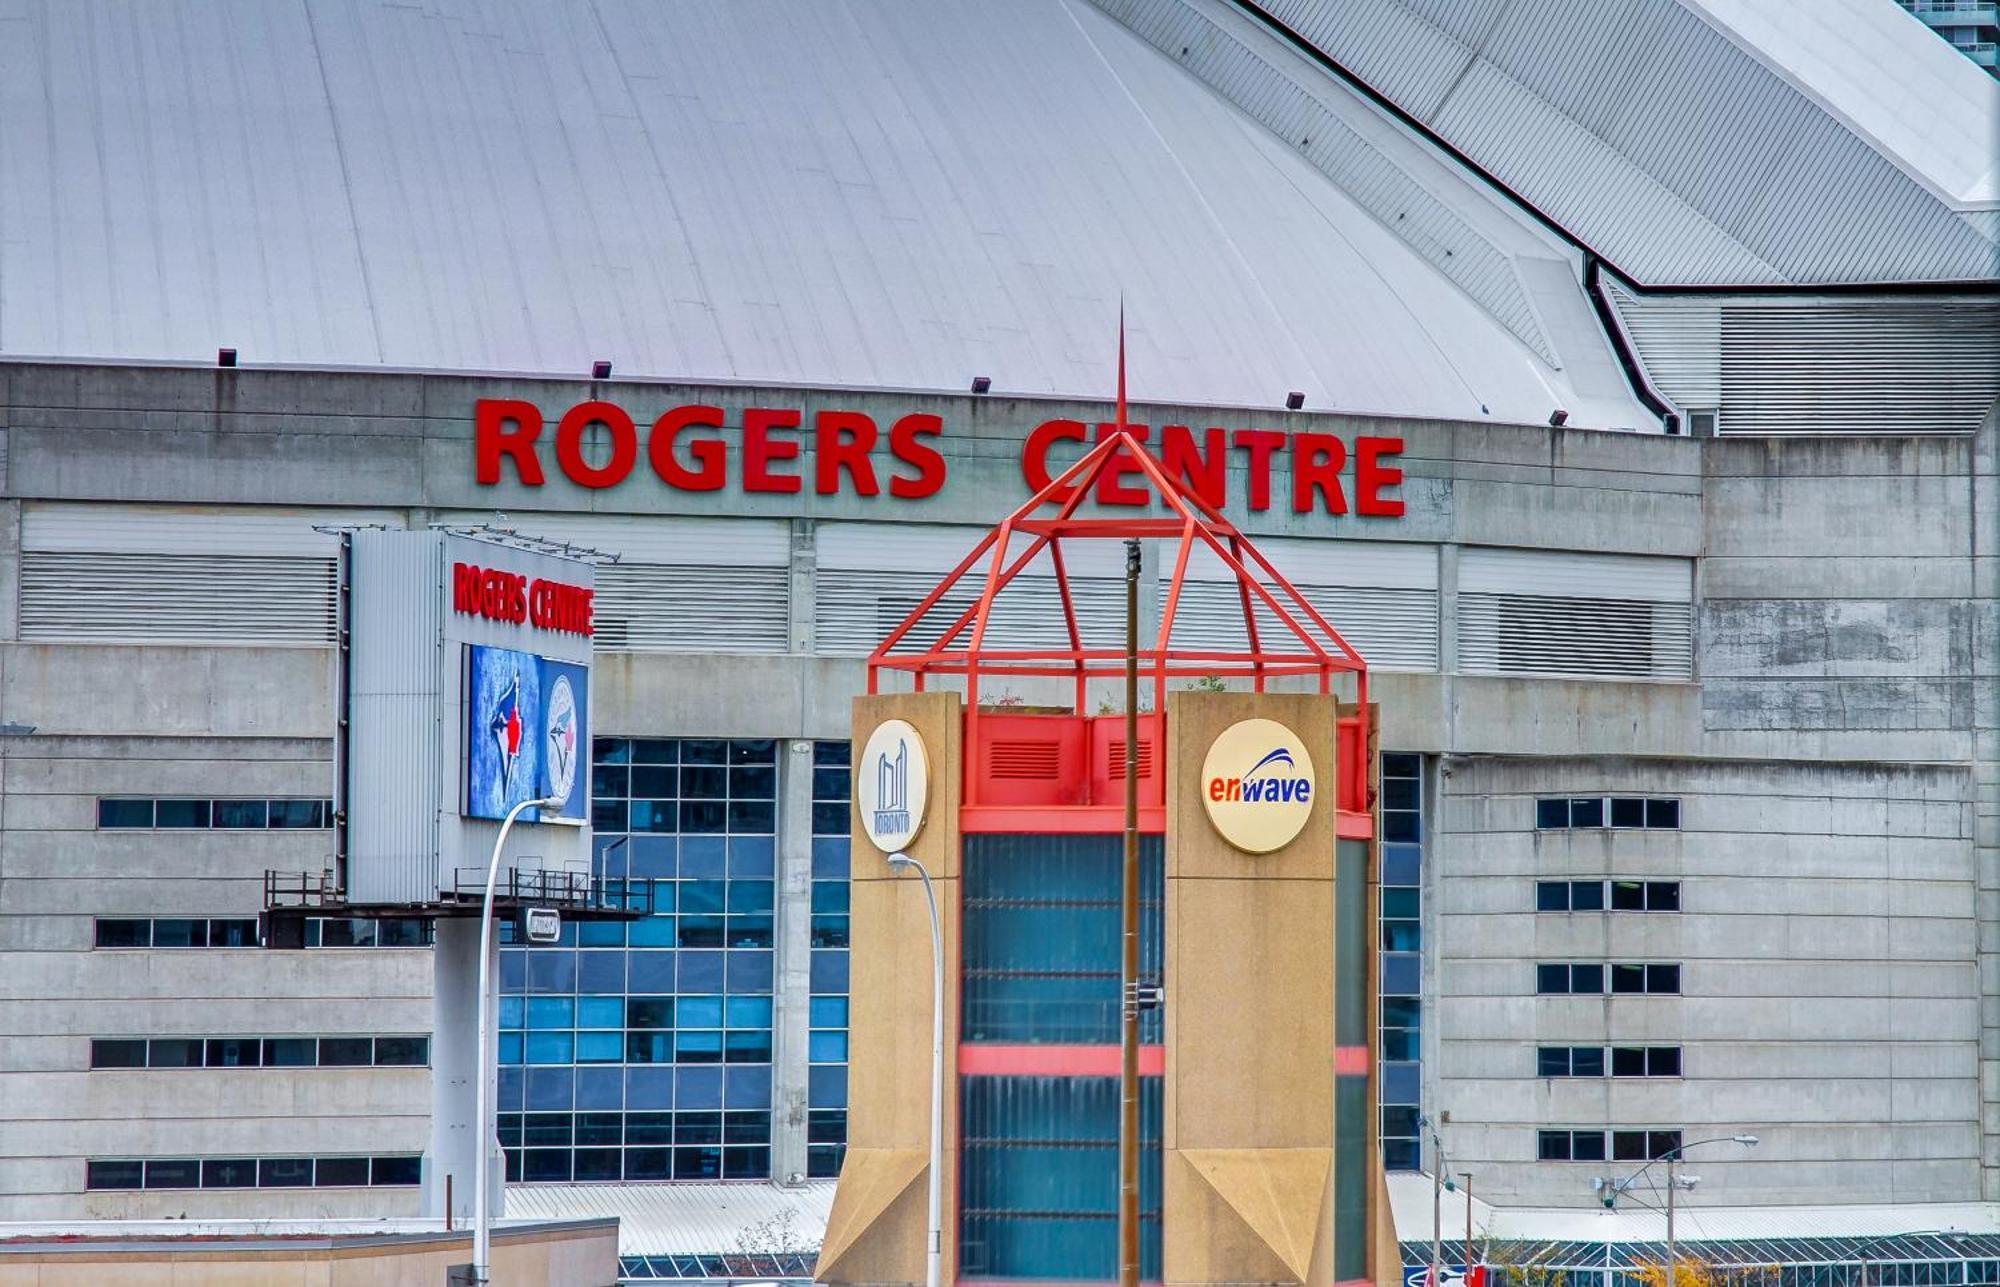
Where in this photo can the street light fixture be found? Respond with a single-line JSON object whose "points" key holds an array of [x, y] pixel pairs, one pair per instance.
{"points": [[1612, 1188], [934, 1253], [482, 1214]]}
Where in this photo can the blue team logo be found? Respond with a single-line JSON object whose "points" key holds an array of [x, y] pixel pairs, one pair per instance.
{"points": [[504, 727], [561, 738]]}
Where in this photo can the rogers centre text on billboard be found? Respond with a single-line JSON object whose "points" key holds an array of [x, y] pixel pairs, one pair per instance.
{"points": [[515, 599], [853, 454]]}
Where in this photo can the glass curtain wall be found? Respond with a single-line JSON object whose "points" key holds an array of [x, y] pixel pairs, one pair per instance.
{"points": [[1402, 965]]}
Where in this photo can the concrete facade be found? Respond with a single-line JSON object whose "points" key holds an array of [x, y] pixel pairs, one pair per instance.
{"points": [[1835, 756]]}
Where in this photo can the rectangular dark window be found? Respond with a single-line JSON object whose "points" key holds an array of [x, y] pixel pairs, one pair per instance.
{"points": [[174, 1052], [340, 1172], [118, 1052], [1551, 895], [1551, 815], [114, 1173], [1629, 1146], [180, 933], [299, 814], [1586, 895], [1628, 1061], [1628, 896], [1628, 811], [1588, 979], [1551, 980], [229, 1173], [1663, 814], [1663, 895], [235, 932], [173, 1173], [1587, 1146], [402, 1052], [1586, 1061], [1587, 811], [241, 815], [235, 1052], [1663, 1061], [1552, 1146], [181, 814], [124, 933], [1663, 978], [1552, 1061], [284, 1173], [397, 1170], [290, 1052], [125, 814], [1663, 1142], [1628, 978], [345, 1052]]}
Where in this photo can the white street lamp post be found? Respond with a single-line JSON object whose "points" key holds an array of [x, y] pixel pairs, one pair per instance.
{"points": [[934, 1254], [482, 1215]]}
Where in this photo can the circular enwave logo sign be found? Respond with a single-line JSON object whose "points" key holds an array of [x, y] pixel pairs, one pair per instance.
{"points": [[1257, 785], [892, 784]]}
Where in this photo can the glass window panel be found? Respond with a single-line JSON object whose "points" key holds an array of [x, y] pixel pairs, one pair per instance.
{"points": [[1401, 764], [697, 1047], [698, 1128], [830, 931], [1586, 896], [1552, 1061], [610, 780], [645, 750], [551, 1012], [1551, 814], [649, 1048], [174, 1052], [1398, 1012], [654, 816], [598, 1165], [750, 895], [1663, 978], [1663, 813], [232, 933], [1402, 828], [747, 1012], [1629, 1146], [753, 817], [1404, 904], [753, 782], [235, 1052], [1402, 936], [600, 934], [831, 1012], [1551, 895], [1663, 895], [1628, 978], [651, 931], [649, 1012], [181, 814], [1661, 1142], [1628, 811], [111, 1173], [124, 932], [241, 815], [655, 782], [827, 1047], [1401, 1043], [831, 752], [649, 1128], [118, 1052], [229, 1173], [285, 1173], [599, 1047], [551, 1048], [830, 819], [173, 1173], [1552, 1146], [698, 1163], [180, 933], [751, 1046], [396, 1170], [1402, 864], [701, 931], [1586, 978], [1551, 979], [701, 897], [599, 1129], [402, 1052], [648, 1164], [608, 816], [751, 931], [1587, 1146], [704, 783], [1586, 811], [1628, 896], [753, 750], [1628, 1061], [1586, 1061], [346, 1052], [700, 1011], [299, 815], [290, 1052], [831, 783], [124, 813], [600, 1012], [1663, 1061]]}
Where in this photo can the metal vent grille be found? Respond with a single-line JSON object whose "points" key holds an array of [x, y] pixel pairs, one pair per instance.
{"points": [[1526, 634], [1019, 761], [97, 595], [1118, 758], [854, 611], [1822, 366], [1392, 629], [659, 607]]}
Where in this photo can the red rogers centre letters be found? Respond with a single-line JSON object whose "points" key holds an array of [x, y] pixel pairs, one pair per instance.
{"points": [[511, 597], [685, 449]]}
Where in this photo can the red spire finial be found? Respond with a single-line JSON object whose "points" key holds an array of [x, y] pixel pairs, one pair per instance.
{"points": [[1121, 363]]}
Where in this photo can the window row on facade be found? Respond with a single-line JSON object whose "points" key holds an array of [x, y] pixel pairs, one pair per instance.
{"points": [[1607, 895], [120, 813], [252, 1172], [1590, 977], [260, 1052], [1596, 1144], [1615, 1061], [241, 931], [602, 1147], [1624, 812]]}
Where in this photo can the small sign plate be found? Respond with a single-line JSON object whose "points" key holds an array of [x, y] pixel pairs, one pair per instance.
{"points": [[544, 924]]}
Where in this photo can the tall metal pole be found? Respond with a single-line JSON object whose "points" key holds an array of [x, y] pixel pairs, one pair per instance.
{"points": [[1467, 1177], [1672, 1277], [482, 1098], [934, 1253], [1128, 1072], [1437, 1214]]}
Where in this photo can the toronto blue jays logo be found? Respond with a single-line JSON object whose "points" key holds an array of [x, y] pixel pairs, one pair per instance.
{"points": [[505, 728], [562, 739]]}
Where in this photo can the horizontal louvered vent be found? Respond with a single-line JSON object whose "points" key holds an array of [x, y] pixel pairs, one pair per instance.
{"points": [[1394, 629], [855, 611], [660, 607], [1019, 761], [90, 595], [1118, 758], [1555, 635]]}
